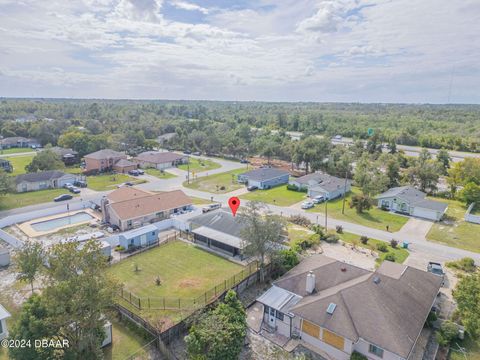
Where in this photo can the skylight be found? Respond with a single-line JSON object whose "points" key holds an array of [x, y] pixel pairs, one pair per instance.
{"points": [[331, 308]]}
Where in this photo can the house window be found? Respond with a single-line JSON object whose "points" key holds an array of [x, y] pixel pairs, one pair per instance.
{"points": [[265, 309], [1, 327], [279, 315], [375, 350], [129, 223]]}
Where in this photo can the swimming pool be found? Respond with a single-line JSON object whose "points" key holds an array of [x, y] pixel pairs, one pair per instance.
{"points": [[52, 224]]}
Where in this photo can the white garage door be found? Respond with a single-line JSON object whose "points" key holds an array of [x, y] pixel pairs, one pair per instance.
{"points": [[424, 213]]}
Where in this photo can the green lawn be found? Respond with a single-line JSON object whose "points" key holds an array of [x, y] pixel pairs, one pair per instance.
{"points": [[400, 254], [110, 181], [16, 151], [185, 271], [279, 195], [199, 201], [453, 230], [471, 346], [214, 183], [199, 165], [125, 342], [73, 170], [16, 200], [159, 174], [19, 163], [374, 218]]}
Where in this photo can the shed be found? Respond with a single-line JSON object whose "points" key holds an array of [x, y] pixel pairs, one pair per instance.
{"points": [[4, 315], [144, 236]]}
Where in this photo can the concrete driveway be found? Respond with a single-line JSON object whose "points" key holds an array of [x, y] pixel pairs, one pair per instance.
{"points": [[415, 228]]}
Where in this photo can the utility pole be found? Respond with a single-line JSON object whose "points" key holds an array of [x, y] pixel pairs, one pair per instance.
{"points": [[188, 169], [345, 191]]}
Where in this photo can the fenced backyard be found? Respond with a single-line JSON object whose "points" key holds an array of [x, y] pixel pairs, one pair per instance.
{"points": [[188, 303]]}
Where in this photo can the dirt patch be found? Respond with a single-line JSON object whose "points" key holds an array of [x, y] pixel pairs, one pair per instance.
{"points": [[190, 283]]}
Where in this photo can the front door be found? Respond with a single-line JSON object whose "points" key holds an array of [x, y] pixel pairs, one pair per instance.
{"points": [[271, 317], [143, 240]]}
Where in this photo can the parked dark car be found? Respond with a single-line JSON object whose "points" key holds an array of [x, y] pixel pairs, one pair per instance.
{"points": [[244, 161], [436, 269], [128, 183], [187, 152], [63, 197], [74, 190], [252, 188], [134, 172], [80, 184]]}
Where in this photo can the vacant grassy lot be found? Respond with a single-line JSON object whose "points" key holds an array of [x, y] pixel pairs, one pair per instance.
{"points": [[110, 181], [185, 271], [374, 218], [19, 163], [279, 195], [454, 231], [14, 200], [159, 174], [15, 151], [215, 183], [199, 165], [125, 342]]}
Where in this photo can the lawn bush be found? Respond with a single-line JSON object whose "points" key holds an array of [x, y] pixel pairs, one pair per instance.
{"points": [[382, 247], [300, 220], [339, 229], [466, 264], [286, 259], [292, 187], [304, 244], [357, 356], [317, 229], [447, 333], [390, 257], [119, 248], [331, 238], [393, 243], [432, 317], [364, 239]]}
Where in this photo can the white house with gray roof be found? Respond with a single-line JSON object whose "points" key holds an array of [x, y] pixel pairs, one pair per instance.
{"points": [[410, 201], [264, 178], [51, 179], [321, 183], [317, 303]]}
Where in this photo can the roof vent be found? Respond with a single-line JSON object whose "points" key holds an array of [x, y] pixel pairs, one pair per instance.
{"points": [[331, 308], [376, 280], [343, 269]]}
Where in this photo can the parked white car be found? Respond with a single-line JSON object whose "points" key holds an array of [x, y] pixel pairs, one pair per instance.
{"points": [[318, 199], [307, 205]]}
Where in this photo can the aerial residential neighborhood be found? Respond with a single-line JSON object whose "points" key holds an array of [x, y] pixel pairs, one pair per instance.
{"points": [[239, 180]]}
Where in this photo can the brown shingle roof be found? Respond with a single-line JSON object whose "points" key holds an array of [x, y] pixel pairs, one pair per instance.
{"points": [[156, 157], [127, 193], [124, 163], [146, 205]]}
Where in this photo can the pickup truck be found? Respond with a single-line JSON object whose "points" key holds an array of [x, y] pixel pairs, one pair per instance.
{"points": [[211, 207]]}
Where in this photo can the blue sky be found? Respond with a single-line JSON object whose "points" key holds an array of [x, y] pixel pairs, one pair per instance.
{"points": [[285, 50]]}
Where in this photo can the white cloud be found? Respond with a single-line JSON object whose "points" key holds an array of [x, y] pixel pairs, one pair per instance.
{"points": [[402, 50]]}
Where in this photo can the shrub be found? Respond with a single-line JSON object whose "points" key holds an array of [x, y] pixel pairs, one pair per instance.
{"points": [[317, 229], [119, 248], [447, 333], [304, 244], [339, 229], [300, 220], [222, 187], [357, 356], [364, 239], [466, 264], [360, 203], [382, 247], [292, 187], [432, 317], [331, 238], [393, 243], [286, 259], [390, 257]]}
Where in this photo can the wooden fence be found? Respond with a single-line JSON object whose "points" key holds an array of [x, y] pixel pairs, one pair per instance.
{"points": [[176, 303]]}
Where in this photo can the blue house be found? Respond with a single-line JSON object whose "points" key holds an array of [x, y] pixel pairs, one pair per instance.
{"points": [[264, 178], [140, 237]]}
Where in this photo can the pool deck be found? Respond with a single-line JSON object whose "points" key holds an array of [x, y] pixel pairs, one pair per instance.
{"points": [[27, 228]]}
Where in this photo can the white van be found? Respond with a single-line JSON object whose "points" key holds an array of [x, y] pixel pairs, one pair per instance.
{"points": [[211, 207]]}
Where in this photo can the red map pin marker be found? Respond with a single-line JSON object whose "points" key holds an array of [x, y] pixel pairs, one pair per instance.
{"points": [[234, 203]]}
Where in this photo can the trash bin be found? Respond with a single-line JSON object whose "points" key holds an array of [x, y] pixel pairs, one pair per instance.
{"points": [[405, 244]]}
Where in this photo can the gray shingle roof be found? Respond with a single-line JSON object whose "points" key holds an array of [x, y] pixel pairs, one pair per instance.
{"points": [[389, 313], [39, 176], [414, 197], [159, 157], [264, 174], [104, 154], [221, 221]]}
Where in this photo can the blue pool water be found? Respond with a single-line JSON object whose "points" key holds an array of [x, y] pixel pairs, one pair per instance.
{"points": [[59, 222]]}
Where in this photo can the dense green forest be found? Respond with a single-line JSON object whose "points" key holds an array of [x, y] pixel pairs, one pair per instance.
{"points": [[210, 125]]}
